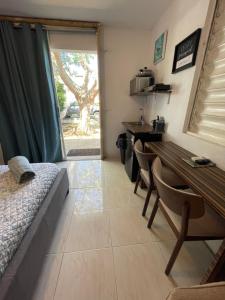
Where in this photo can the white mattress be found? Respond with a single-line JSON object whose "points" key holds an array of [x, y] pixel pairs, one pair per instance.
{"points": [[19, 204]]}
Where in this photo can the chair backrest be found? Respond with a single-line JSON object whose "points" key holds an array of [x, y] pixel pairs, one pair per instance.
{"points": [[215, 290], [175, 199], [145, 159]]}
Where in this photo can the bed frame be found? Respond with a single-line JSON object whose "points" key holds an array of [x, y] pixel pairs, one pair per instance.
{"points": [[19, 279]]}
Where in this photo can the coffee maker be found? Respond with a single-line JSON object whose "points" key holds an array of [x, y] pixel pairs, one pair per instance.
{"points": [[158, 124]]}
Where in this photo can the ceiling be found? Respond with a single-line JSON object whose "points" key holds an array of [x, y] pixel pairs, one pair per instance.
{"points": [[140, 14]]}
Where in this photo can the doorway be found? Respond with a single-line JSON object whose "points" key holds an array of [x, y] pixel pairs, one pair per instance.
{"points": [[77, 87]]}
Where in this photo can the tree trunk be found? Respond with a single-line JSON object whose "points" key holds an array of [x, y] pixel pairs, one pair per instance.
{"points": [[84, 122], [84, 95]]}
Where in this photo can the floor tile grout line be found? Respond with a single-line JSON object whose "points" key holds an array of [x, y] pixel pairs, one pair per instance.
{"points": [[89, 186], [110, 246], [114, 267], [69, 226], [86, 250], [136, 244], [85, 188], [67, 233], [106, 210], [68, 214], [57, 280]]}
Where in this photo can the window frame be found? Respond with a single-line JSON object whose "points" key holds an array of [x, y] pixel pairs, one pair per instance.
{"points": [[199, 64]]}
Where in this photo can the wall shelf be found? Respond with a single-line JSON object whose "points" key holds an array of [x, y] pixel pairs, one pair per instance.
{"points": [[154, 93], [151, 93]]}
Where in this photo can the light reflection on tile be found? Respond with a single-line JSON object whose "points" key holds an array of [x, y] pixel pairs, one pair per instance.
{"points": [[91, 201], [99, 199], [83, 174]]}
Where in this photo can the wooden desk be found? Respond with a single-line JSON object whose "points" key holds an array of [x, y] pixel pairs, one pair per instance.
{"points": [[209, 182]]}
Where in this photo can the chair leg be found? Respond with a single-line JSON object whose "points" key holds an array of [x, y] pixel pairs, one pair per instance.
{"points": [[154, 211], [147, 200], [182, 236], [137, 182], [174, 255]]}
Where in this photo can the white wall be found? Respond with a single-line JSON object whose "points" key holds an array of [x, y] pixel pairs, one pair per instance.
{"points": [[181, 19], [125, 51]]}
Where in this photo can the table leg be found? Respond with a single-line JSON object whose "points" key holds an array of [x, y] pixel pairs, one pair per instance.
{"points": [[216, 271]]}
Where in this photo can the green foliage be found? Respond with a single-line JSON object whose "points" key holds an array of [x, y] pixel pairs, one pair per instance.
{"points": [[76, 58], [61, 94], [71, 59]]}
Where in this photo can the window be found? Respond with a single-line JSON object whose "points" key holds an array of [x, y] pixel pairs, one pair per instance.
{"points": [[207, 117]]}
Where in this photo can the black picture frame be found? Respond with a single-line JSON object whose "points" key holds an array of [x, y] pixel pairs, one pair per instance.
{"points": [[186, 52]]}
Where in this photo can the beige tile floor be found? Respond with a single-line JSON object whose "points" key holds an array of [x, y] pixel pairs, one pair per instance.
{"points": [[102, 249]]}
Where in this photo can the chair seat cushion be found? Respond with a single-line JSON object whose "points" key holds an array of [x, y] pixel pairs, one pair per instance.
{"points": [[210, 224], [215, 291]]}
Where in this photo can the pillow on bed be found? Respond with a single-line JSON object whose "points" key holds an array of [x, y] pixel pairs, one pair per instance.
{"points": [[21, 168]]}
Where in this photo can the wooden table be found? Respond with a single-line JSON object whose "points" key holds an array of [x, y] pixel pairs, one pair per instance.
{"points": [[209, 182]]}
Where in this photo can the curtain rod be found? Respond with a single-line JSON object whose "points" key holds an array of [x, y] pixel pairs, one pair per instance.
{"points": [[52, 22]]}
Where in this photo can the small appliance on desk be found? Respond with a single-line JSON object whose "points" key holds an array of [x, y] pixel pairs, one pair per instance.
{"points": [[159, 124]]}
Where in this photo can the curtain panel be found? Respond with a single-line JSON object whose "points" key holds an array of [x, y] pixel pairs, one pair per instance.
{"points": [[29, 116]]}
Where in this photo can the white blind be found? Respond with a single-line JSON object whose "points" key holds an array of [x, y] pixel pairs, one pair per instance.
{"points": [[73, 40], [208, 115]]}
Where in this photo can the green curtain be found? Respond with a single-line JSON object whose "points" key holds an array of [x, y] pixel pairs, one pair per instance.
{"points": [[29, 120]]}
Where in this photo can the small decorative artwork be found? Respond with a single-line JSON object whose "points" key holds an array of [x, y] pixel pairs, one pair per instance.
{"points": [[186, 52], [160, 47]]}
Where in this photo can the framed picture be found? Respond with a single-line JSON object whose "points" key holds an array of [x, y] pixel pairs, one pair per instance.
{"points": [[186, 52], [160, 47]]}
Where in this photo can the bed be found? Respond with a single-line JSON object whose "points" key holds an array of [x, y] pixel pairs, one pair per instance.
{"points": [[28, 216]]}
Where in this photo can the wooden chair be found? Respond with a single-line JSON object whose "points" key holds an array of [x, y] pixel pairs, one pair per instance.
{"points": [[215, 291], [145, 160], [189, 217]]}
